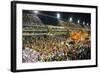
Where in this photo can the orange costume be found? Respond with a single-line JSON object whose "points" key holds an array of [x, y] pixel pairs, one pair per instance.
{"points": [[75, 36]]}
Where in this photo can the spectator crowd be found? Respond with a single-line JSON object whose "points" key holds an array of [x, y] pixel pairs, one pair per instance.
{"points": [[54, 48]]}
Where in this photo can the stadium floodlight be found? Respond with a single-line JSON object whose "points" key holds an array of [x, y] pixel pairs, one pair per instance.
{"points": [[58, 15], [70, 19], [83, 23], [87, 24], [36, 12], [78, 21]]}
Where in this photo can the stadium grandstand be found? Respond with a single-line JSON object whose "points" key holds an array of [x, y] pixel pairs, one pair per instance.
{"points": [[52, 38]]}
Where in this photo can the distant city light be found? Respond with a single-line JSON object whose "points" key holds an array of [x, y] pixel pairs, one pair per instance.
{"points": [[58, 15], [78, 21], [36, 12], [70, 19], [83, 23]]}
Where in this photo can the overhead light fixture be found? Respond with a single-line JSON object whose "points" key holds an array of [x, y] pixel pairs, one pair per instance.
{"points": [[36, 12], [83, 23], [58, 15], [78, 21], [87, 24], [70, 19]]}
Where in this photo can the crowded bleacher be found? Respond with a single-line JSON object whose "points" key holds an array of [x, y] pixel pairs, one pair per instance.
{"points": [[46, 43]]}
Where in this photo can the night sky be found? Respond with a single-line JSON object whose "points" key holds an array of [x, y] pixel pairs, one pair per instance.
{"points": [[49, 17]]}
